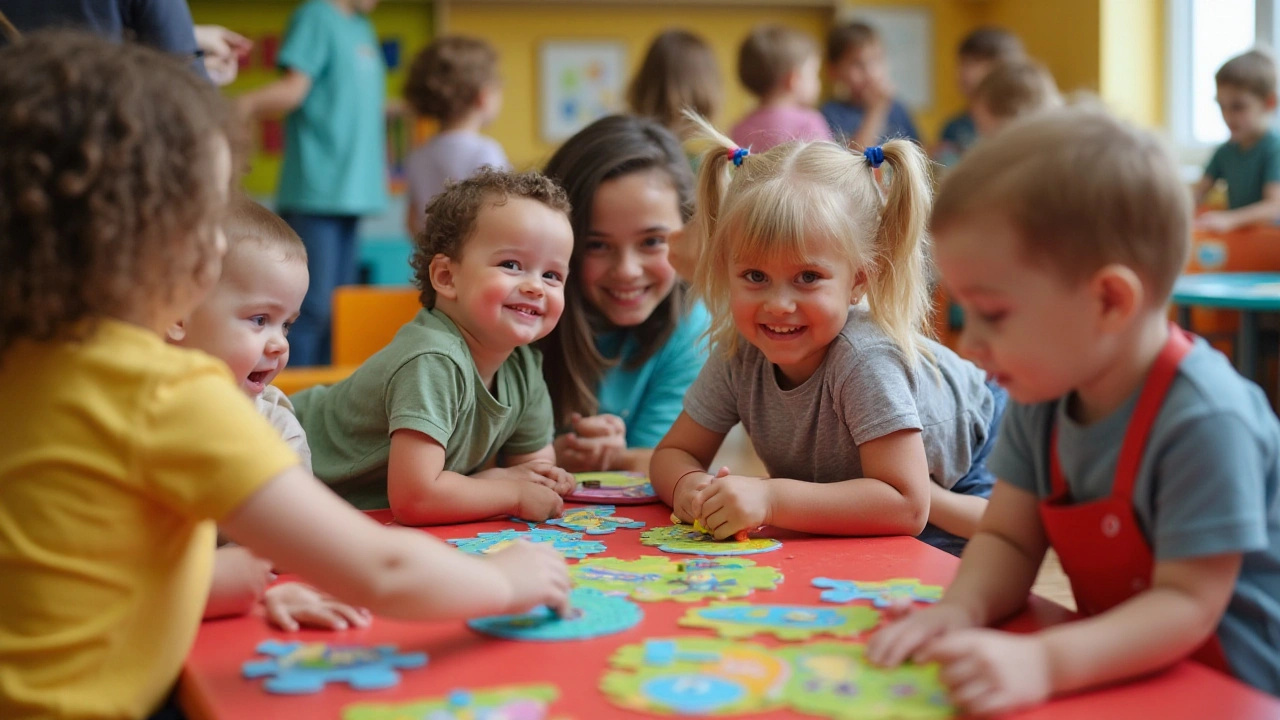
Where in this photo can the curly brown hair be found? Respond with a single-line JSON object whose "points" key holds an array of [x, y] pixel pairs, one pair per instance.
{"points": [[446, 78], [105, 172], [451, 216]]}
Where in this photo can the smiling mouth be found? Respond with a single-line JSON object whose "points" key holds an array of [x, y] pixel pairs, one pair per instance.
{"points": [[626, 295], [259, 376], [783, 331], [526, 310]]}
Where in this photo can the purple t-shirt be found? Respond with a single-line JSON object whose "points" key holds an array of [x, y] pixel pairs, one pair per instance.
{"points": [[448, 157], [768, 126]]}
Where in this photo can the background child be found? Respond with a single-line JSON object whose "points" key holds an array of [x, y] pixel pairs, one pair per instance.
{"points": [[678, 72], [454, 80], [1249, 162], [1138, 454], [619, 362], [459, 383], [865, 426], [779, 66], [1010, 91], [979, 52], [127, 450], [869, 113]]}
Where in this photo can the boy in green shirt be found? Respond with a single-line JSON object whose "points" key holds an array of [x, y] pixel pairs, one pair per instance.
{"points": [[1250, 160], [459, 383]]}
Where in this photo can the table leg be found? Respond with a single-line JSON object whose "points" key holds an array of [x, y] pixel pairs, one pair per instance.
{"points": [[1184, 317], [1247, 345]]}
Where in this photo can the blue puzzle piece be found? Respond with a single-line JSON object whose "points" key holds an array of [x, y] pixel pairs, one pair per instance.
{"points": [[880, 593], [570, 545], [596, 614], [303, 668], [595, 520]]}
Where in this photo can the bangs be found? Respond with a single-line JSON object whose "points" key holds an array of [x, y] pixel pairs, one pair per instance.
{"points": [[795, 225]]}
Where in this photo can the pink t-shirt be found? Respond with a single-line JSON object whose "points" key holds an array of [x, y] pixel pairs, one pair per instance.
{"points": [[768, 126]]}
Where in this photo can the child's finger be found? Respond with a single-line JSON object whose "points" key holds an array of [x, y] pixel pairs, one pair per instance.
{"points": [[321, 617], [899, 608], [946, 649], [279, 616], [355, 617]]}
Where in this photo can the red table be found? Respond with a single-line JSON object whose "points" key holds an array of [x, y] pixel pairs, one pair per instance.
{"points": [[212, 688]]}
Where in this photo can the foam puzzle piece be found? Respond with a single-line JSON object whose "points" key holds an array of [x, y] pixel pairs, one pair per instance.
{"points": [[684, 539], [617, 488], [509, 702], [654, 577], [297, 668], [570, 545], [596, 615], [834, 680], [881, 593], [595, 520], [739, 620], [696, 676]]}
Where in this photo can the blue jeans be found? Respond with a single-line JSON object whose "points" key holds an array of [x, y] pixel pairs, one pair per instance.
{"points": [[978, 481], [331, 260]]}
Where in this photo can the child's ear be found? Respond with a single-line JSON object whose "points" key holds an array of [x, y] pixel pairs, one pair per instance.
{"points": [[442, 280], [177, 332], [1118, 294], [859, 289]]}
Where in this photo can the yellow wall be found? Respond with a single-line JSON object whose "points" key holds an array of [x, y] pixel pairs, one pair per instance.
{"points": [[1133, 59], [1063, 34]]}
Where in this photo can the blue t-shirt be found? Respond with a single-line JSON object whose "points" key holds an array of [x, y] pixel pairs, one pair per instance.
{"points": [[649, 398], [1247, 171], [1208, 484], [335, 148], [845, 119], [958, 135]]}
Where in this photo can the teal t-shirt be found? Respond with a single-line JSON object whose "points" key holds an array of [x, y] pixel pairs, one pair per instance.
{"points": [[1247, 171], [334, 142], [424, 380], [650, 397]]}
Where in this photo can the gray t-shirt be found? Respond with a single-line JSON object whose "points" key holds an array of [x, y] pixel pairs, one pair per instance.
{"points": [[448, 157], [864, 389], [1208, 484]]}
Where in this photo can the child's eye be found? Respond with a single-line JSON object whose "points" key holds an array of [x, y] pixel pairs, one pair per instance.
{"points": [[553, 276], [991, 318], [808, 277], [259, 320], [509, 265], [285, 327], [655, 241], [754, 276], [596, 246]]}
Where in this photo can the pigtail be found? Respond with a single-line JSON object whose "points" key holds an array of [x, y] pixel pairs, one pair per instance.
{"points": [[710, 281]]}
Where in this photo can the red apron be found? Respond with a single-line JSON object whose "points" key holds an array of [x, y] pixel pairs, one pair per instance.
{"points": [[1101, 546]]}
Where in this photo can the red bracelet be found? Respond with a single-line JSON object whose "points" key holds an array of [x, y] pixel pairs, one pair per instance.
{"points": [[680, 479]]}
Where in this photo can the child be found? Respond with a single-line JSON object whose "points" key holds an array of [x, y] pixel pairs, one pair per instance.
{"points": [[629, 345], [1132, 449], [1250, 161], [869, 114], [455, 81], [127, 450], [980, 52], [780, 67], [679, 72], [458, 384], [1010, 91], [866, 427]]}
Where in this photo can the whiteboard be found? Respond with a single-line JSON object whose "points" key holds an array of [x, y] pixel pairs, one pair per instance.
{"points": [[907, 34]]}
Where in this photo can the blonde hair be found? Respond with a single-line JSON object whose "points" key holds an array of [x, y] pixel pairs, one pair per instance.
{"points": [[1253, 71], [679, 72], [769, 53], [248, 222], [1017, 88], [779, 200], [1083, 190]]}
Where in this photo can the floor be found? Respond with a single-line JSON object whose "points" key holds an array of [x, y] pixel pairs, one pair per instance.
{"points": [[737, 453]]}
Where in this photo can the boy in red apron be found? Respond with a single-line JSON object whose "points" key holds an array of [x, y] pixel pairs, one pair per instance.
{"points": [[1132, 448]]}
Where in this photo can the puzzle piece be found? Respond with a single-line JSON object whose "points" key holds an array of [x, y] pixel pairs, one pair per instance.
{"points": [[695, 676], [684, 539], [740, 536], [597, 520], [570, 545], [655, 577], [598, 614], [511, 702], [740, 620], [301, 668], [617, 488], [881, 593], [834, 680]]}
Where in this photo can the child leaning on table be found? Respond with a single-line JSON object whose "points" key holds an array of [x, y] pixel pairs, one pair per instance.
{"points": [[1133, 449], [120, 452]]}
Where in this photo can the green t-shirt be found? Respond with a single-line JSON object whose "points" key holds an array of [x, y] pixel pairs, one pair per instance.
{"points": [[1247, 171], [424, 380]]}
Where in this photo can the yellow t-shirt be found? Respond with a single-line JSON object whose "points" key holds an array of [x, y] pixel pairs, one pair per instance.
{"points": [[117, 456]]}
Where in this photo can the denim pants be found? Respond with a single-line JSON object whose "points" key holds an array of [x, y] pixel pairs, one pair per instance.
{"points": [[331, 260]]}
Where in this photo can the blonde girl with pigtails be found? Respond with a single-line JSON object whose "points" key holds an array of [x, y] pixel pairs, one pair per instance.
{"points": [[815, 277]]}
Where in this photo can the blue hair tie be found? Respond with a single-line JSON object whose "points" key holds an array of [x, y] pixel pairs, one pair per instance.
{"points": [[737, 154], [874, 155]]}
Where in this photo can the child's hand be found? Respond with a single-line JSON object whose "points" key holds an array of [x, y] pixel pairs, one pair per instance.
{"points": [[538, 502], [687, 489], [536, 574], [238, 571], [991, 672], [292, 605], [545, 473], [730, 503], [914, 629], [596, 443], [1216, 221], [880, 90]]}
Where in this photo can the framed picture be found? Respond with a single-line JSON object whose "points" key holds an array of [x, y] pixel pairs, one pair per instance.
{"points": [[578, 83]]}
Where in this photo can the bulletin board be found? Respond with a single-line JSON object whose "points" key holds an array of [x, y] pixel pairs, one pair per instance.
{"points": [[579, 82]]}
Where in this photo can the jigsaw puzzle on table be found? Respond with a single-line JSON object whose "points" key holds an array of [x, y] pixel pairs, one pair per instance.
{"points": [[617, 488], [692, 676], [881, 593], [596, 520], [570, 545], [739, 620], [684, 539], [510, 702], [296, 668], [654, 577], [594, 615]]}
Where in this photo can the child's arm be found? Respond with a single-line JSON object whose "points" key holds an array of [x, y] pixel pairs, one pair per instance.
{"points": [[678, 470], [239, 579], [957, 514], [1265, 211], [422, 492], [1201, 189], [277, 98], [297, 523]]}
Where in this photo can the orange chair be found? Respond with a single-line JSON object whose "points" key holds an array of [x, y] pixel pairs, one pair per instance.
{"points": [[365, 318], [1250, 249]]}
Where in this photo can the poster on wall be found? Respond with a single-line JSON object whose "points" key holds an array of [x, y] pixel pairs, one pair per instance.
{"points": [[578, 82], [907, 34]]}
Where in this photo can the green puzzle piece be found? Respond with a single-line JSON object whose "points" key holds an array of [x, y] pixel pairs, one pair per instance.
{"points": [[526, 702], [686, 540], [834, 680], [652, 578], [786, 622], [695, 676]]}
